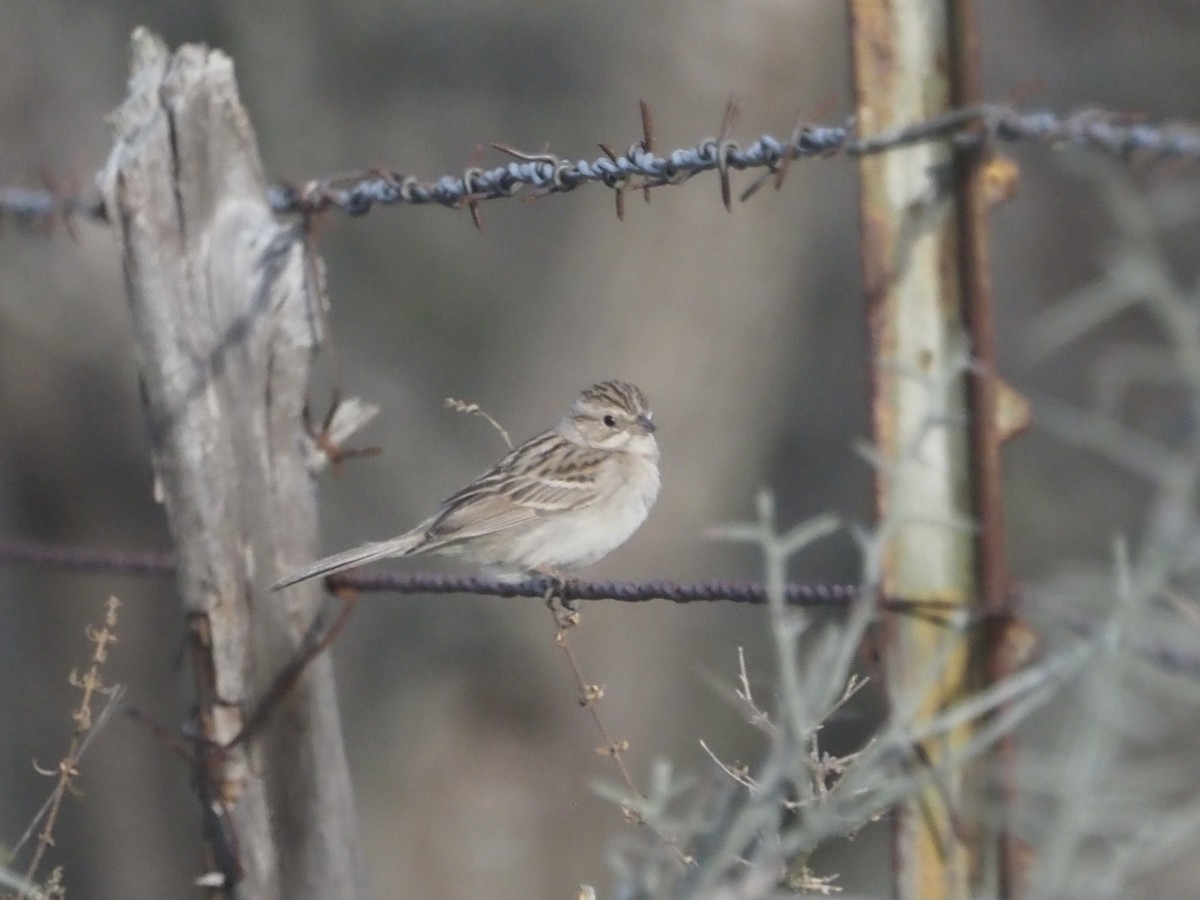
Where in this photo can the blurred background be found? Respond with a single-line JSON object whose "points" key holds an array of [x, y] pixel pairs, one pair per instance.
{"points": [[471, 758]]}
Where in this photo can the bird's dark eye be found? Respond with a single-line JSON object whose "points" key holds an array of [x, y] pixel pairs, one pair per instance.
{"points": [[610, 420]]}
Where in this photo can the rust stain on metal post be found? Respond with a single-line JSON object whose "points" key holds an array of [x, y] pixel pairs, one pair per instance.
{"points": [[925, 268], [976, 290], [987, 416]]}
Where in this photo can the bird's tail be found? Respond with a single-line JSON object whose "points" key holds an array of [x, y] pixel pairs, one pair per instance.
{"points": [[348, 559]]}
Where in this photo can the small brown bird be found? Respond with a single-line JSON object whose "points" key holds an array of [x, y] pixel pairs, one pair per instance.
{"points": [[559, 501]]}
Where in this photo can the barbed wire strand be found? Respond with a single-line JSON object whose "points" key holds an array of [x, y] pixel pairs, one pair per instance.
{"points": [[640, 168]]}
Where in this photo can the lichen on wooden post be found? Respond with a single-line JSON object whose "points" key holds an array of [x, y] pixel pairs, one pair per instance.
{"points": [[225, 322]]}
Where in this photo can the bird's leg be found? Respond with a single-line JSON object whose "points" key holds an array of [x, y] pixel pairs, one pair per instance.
{"points": [[557, 599]]}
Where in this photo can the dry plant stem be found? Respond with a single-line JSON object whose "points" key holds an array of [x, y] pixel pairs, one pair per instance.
{"points": [[318, 299], [886, 771], [751, 845], [590, 695], [475, 409], [785, 625], [90, 684], [589, 698], [114, 698], [317, 640]]}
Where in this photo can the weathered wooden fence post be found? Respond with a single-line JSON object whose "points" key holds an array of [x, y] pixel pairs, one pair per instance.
{"points": [[224, 323]]}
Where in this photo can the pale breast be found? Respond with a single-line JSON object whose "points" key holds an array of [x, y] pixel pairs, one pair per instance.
{"points": [[628, 488]]}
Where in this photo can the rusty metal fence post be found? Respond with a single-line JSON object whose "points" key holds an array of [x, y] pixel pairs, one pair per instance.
{"points": [[934, 411]]}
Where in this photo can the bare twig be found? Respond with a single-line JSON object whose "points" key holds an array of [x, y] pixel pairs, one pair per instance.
{"points": [[90, 684], [590, 695], [463, 406]]}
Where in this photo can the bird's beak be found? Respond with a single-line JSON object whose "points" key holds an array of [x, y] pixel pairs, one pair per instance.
{"points": [[646, 424]]}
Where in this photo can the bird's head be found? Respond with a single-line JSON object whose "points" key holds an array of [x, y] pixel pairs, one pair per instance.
{"points": [[611, 415]]}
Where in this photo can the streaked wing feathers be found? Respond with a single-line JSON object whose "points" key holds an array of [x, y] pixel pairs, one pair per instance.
{"points": [[542, 476]]}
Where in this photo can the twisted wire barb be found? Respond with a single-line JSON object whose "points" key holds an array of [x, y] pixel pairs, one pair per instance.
{"points": [[640, 168]]}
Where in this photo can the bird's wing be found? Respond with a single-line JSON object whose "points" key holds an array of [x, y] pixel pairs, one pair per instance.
{"points": [[519, 490]]}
